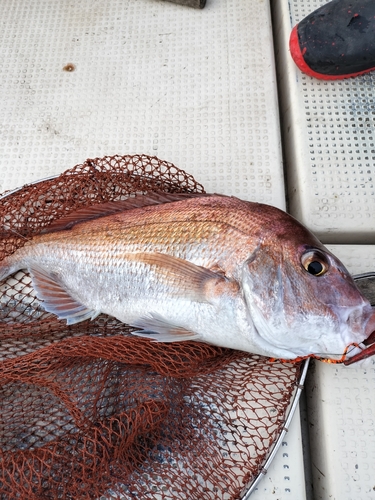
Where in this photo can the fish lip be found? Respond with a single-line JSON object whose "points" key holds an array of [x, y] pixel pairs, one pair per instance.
{"points": [[369, 342], [357, 321]]}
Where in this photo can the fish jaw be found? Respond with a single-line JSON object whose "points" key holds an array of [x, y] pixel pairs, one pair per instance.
{"points": [[274, 334], [319, 336], [359, 354], [356, 323]]}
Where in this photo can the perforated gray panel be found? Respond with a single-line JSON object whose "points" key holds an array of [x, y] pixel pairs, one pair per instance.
{"points": [[330, 142]]}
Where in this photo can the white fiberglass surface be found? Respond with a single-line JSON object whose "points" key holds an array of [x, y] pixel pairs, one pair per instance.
{"points": [[194, 87]]}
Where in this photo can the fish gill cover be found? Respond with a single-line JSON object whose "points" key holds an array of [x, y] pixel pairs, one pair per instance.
{"points": [[88, 410]]}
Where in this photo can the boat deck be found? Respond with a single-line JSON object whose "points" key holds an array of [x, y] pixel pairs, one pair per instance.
{"points": [[215, 92]]}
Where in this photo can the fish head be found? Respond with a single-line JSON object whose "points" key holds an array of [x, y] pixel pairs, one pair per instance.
{"points": [[301, 298]]}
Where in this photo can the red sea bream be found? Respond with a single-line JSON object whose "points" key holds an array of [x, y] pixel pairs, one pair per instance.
{"points": [[208, 268]]}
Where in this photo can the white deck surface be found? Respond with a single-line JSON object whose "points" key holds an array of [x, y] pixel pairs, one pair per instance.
{"points": [[194, 87], [198, 88]]}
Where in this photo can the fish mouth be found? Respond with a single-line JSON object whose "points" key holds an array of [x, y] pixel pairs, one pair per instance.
{"points": [[369, 343]]}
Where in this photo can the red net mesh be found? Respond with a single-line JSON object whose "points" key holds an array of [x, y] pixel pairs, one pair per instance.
{"points": [[89, 411]]}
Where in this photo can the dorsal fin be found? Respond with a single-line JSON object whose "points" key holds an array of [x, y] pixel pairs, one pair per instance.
{"points": [[112, 207]]}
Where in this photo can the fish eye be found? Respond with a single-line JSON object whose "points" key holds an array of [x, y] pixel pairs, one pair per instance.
{"points": [[315, 263]]}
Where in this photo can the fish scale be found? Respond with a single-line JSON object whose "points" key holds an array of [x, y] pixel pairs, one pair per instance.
{"points": [[196, 241]]}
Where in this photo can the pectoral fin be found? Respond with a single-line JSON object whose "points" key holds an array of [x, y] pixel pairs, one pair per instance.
{"points": [[56, 299], [186, 279], [157, 328]]}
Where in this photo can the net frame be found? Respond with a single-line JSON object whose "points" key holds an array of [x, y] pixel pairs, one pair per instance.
{"points": [[38, 351]]}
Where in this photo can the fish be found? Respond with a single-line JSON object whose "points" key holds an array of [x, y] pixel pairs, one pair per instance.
{"points": [[206, 267]]}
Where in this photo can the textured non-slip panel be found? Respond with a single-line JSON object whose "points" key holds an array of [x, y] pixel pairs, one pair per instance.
{"points": [[342, 413], [92, 78], [329, 138]]}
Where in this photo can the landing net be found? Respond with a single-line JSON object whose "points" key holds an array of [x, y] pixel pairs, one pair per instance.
{"points": [[90, 411]]}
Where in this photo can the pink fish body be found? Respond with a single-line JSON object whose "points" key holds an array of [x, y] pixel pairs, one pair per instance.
{"points": [[208, 268]]}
